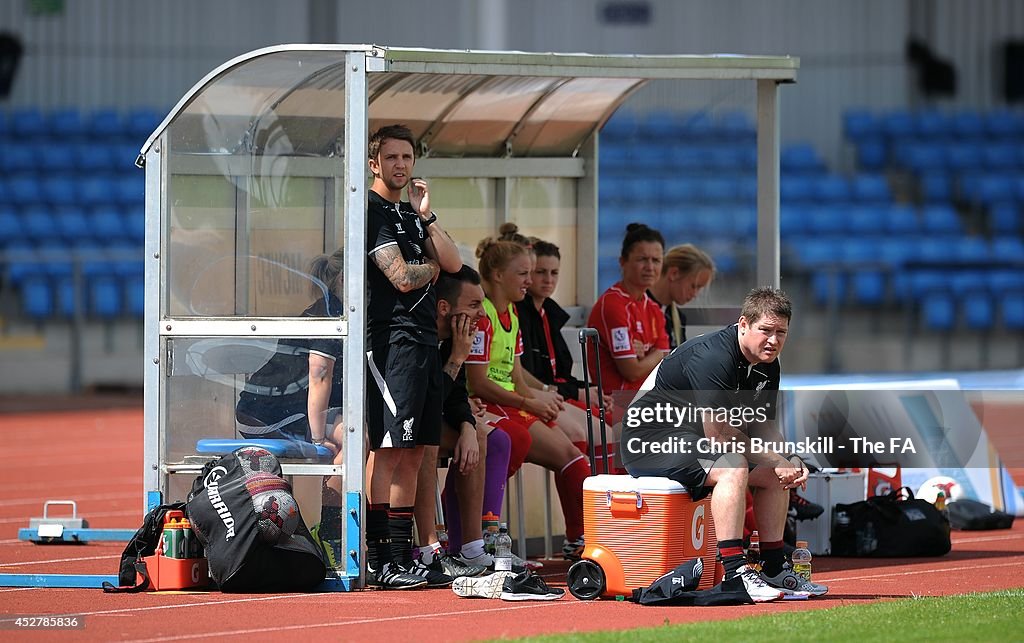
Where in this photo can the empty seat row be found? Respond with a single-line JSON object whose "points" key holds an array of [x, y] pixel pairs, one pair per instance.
{"points": [[57, 260], [104, 298], [862, 124], [65, 189], [63, 156], [106, 224], [842, 252], [664, 125], [628, 158], [30, 123]]}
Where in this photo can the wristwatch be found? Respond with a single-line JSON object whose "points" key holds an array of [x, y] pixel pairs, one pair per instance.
{"points": [[433, 218]]}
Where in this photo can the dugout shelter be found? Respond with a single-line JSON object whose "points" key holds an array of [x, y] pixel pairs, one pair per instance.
{"points": [[262, 165]]}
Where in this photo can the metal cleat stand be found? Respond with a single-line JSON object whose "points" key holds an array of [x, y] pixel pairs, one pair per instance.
{"points": [[71, 530]]}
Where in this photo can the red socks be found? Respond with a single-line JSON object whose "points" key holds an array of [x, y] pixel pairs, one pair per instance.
{"points": [[569, 482]]}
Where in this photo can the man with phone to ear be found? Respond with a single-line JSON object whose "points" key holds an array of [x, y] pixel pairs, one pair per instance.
{"points": [[406, 250]]}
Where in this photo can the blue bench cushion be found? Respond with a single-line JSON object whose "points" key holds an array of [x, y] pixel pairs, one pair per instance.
{"points": [[280, 448]]}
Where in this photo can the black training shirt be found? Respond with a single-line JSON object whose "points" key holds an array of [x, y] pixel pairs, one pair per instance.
{"points": [[392, 314], [714, 362]]}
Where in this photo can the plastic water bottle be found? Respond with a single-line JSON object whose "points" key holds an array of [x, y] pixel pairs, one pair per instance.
{"points": [[490, 525], [754, 551], [802, 560], [503, 550]]}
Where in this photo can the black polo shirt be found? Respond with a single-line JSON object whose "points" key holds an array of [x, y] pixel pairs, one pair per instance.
{"points": [[714, 362]]}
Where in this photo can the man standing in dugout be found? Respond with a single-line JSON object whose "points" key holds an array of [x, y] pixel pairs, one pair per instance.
{"points": [[406, 250]]}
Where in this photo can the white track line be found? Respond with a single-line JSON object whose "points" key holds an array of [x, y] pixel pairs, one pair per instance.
{"points": [[985, 539], [943, 570], [35, 500], [411, 617], [59, 560], [4, 590], [107, 514]]}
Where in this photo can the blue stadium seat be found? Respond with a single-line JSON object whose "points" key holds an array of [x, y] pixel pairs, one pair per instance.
{"points": [[1005, 218], [1005, 280], [936, 187], [106, 224], [696, 126], [903, 220], [920, 157], [899, 124], [27, 123], [895, 251], [938, 311], [968, 124], [979, 311], [832, 188], [868, 287], [870, 188], [99, 157], [1002, 124], [965, 281], [719, 189], [860, 125], [964, 155], [56, 257], [93, 259], [37, 223], [828, 285], [622, 126], [793, 220], [796, 188], [72, 223], [993, 188], [1008, 249], [828, 220], [17, 157], [940, 219], [5, 197], [104, 297], [677, 190], [65, 298], [800, 158], [23, 263], [872, 155], [723, 253], [10, 225], [24, 190], [1011, 307], [141, 122], [933, 124], [727, 157], [126, 259], [818, 251], [915, 284], [56, 157], [106, 124], [37, 298], [973, 250], [735, 124], [866, 220], [67, 123], [938, 250], [1001, 157], [688, 157], [60, 190], [135, 296], [96, 191]]}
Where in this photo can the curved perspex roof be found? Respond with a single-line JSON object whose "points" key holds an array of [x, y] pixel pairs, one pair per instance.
{"points": [[458, 103]]}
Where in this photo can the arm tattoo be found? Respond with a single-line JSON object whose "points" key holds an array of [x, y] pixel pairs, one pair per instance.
{"points": [[404, 276], [451, 369]]}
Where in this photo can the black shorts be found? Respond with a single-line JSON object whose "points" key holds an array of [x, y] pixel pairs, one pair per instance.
{"points": [[403, 395]]}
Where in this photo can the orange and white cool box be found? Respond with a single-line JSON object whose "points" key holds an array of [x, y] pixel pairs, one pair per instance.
{"points": [[637, 529]]}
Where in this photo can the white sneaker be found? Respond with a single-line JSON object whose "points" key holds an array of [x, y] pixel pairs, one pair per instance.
{"points": [[488, 586], [792, 583], [483, 559], [532, 565], [758, 590]]}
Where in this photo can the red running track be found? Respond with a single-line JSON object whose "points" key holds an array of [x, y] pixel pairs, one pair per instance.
{"points": [[95, 458]]}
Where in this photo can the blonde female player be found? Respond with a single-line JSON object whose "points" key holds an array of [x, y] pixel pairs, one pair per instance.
{"points": [[496, 376]]}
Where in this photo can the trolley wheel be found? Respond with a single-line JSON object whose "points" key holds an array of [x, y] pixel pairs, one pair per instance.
{"points": [[585, 580]]}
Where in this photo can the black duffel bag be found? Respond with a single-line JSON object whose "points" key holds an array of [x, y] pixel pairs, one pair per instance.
{"points": [[220, 508], [893, 525], [968, 514]]}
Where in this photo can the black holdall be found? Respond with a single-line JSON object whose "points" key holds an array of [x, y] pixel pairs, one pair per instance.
{"points": [[970, 515], [893, 525], [220, 509]]}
